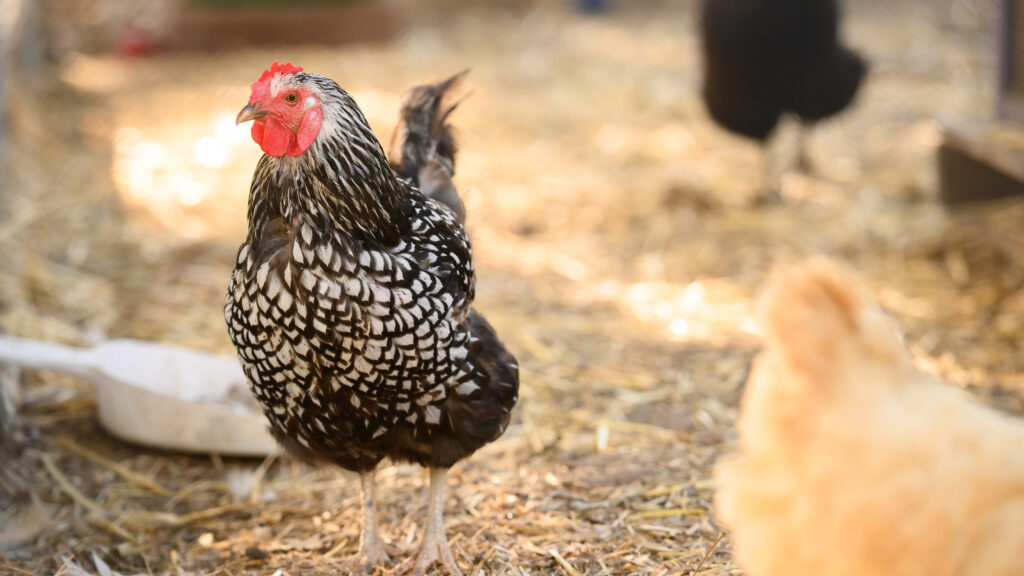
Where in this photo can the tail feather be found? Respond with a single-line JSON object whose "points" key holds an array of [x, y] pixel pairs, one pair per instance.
{"points": [[818, 315], [423, 147], [828, 87], [481, 416]]}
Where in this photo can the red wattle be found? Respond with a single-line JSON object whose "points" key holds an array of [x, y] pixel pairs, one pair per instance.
{"points": [[310, 127], [277, 139], [257, 132]]}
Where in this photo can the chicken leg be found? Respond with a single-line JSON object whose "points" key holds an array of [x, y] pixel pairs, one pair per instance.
{"points": [[435, 544], [372, 551], [803, 160], [771, 182]]}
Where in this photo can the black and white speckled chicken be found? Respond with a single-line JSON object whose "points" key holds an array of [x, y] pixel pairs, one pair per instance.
{"points": [[351, 305]]}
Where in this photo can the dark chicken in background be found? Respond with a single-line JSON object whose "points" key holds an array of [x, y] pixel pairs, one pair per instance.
{"points": [[351, 301], [764, 59]]}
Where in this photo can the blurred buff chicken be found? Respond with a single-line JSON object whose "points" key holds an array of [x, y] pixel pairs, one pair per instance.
{"points": [[351, 304], [851, 462]]}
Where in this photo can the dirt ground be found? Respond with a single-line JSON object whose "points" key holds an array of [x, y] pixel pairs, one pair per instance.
{"points": [[618, 250]]}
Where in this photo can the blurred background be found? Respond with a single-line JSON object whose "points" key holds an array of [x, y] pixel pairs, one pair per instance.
{"points": [[617, 232]]}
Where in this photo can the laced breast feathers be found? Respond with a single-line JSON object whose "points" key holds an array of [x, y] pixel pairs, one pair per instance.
{"points": [[343, 338]]}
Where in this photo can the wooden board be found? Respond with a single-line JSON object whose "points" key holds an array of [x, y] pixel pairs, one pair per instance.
{"points": [[981, 162], [1011, 61], [203, 27]]}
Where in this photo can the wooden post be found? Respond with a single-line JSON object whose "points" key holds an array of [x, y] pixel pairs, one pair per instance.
{"points": [[986, 161], [21, 47], [1011, 61]]}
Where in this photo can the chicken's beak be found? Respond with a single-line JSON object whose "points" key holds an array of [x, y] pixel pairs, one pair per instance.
{"points": [[249, 113]]}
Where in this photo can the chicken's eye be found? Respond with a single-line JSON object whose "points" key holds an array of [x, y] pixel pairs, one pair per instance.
{"points": [[291, 98]]}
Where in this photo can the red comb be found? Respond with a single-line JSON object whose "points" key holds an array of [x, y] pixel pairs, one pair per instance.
{"points": [[277, 67], [261, 87]]}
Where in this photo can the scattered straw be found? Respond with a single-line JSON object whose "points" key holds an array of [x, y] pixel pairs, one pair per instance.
{"points": [[68, 488], [15, 569], [65, 566], [121, 470], [672, 489], [257, 479], [111, 528], [336, 549], [170, 519], [669, 512], [563, 563], [708, 553]]}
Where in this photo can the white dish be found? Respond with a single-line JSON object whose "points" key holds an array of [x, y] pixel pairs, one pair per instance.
{"points": [[158, 395]]}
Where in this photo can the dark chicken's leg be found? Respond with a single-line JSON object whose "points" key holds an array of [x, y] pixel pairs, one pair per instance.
{"points": [[435, 544], [771, 182], [372, 552], [803, 161]]}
